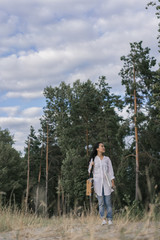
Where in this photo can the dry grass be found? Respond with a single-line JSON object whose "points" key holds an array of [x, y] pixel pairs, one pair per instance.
{"points": [[16, 225], [16, 219]]}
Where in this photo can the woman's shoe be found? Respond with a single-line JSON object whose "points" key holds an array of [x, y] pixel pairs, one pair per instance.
{"points": [[110, 222], [104, 222]]}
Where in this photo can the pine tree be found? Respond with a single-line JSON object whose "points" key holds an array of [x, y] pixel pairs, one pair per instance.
{"points": [[137, 77]]}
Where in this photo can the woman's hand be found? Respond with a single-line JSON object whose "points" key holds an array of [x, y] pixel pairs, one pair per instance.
{"points": [[113, 184]]}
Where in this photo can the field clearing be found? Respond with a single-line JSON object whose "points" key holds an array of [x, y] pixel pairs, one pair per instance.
{"points": [[18, 226]]}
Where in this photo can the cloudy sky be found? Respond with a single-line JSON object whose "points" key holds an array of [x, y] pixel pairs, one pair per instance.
{"points": [[44, 42]]}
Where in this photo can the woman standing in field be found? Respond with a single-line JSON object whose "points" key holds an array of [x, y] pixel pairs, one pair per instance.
{"points": [[103, 177]]}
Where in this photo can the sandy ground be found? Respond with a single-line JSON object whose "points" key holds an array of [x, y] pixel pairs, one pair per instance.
{"points": [[90, 231]]}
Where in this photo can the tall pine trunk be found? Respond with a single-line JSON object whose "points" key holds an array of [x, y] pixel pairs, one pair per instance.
{"points": [[59, 198], [39, 179], [28, 173], [136, 137], [46, 192]]}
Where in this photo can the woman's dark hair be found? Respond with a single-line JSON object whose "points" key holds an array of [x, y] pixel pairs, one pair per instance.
{"points": [[94, 151]]}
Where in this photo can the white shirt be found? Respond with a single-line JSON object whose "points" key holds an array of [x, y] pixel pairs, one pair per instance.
{"points": [[102, 175]]}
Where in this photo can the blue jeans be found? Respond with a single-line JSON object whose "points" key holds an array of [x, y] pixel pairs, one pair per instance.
{"points": [[105, 201]]}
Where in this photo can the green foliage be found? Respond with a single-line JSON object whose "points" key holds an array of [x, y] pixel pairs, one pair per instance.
{"points": [[11, 168], [125, 179], [5, 137], [155, 96], [74, 175], [35, 156], [134, 209], [139, 60], [55, 163]]}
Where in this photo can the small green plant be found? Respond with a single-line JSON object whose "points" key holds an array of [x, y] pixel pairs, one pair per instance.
{"points": [[134, 210]]}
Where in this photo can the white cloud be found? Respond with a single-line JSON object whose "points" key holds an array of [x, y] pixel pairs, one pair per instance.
{"points": [[18, 123], [29, 95], [10, 111], [33, 112]]}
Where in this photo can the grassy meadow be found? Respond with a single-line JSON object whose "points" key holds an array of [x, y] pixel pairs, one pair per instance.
{"points": [[17, 225]]}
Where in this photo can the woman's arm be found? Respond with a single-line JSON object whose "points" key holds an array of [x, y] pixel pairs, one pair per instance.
{"points": [[91, 164], [111, 172]]}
